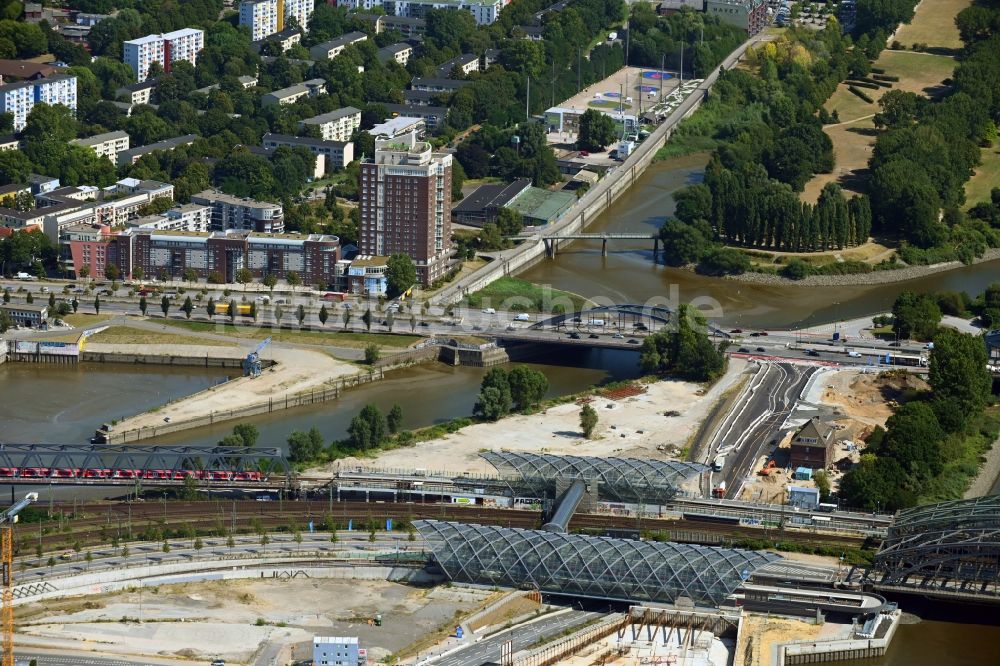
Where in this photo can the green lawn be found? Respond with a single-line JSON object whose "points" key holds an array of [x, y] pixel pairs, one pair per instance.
{"points": [[82, 319], [987, 177], [127, 335], [331, 337], [520, 295]]}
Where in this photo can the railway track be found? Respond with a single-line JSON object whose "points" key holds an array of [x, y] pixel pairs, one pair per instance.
{"points": [[100, 523]]}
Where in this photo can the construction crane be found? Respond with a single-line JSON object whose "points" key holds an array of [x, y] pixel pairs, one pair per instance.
{"points": [[7, 520], [251, 364]]}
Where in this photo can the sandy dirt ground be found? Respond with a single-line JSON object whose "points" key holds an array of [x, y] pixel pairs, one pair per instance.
{"points": [[765, 632], [237, 619], [631, 427], [868, 398], [297, 370]]}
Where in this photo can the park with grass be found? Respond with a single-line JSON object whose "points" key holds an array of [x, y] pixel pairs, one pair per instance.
{"points": [[328, 337]]}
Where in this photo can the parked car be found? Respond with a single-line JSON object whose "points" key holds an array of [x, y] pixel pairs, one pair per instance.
{"points": [[761, 349], [744, 350], [633, 341]]}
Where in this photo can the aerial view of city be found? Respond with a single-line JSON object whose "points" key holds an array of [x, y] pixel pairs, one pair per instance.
{"points": [[499, 332]]}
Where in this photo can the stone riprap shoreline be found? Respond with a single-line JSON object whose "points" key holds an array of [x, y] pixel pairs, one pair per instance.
{"points": [[861, 279]]}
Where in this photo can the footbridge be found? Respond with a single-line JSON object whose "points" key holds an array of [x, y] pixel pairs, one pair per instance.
{"points": [[551, 241]]}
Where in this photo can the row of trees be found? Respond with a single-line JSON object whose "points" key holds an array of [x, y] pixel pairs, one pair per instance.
{"points": [[772, 146], [927, 437]]}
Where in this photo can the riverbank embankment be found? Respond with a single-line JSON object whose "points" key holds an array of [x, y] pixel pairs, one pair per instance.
{"points": [[862, 279], [295, 377]]}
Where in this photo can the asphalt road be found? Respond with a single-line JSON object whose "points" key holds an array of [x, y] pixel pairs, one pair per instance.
{"points": [[757, 414], [488, 649], [65, 659]]}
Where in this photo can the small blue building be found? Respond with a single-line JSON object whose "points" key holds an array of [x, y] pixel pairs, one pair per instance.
{"points": [[338, 651]]}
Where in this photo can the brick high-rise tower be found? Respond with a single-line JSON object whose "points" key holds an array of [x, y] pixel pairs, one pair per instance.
{"points": [[405, 193]]}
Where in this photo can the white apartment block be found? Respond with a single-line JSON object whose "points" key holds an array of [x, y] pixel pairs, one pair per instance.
{"points": [[485, 12], [336, 125], [266, 17], [363, 5], [188, 217], [107, 145], [18, 99], [165, 49], [261, 16], [300, 10]]}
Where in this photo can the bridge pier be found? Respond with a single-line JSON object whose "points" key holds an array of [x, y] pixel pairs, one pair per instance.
{"points": [[604, 247], [550, 247], [656, 248]]}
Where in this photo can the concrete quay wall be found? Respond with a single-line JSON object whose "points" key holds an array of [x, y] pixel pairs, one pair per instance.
{"points": [[815, 652], [595, 201], [167, 359]]}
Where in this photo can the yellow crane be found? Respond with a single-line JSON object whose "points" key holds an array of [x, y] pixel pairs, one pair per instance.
{"points": [[7, 520]]}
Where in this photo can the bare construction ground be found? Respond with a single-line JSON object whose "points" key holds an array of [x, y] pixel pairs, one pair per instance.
{"points": [[237, 620], [655, 424]]}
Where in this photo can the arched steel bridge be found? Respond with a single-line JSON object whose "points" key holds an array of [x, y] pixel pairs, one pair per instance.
{"points": [[620, 316]]}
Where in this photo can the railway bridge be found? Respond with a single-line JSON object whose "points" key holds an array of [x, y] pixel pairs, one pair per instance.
{"points": [[111, 465]]}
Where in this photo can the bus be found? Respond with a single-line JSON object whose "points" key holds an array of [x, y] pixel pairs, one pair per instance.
{"points": [[718, 463], [908, 360], [826, 507]]}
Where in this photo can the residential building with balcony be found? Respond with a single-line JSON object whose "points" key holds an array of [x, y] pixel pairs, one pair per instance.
{"points": [[166, 49], [229, 212], [18, 99], [336, 154], [172, 253], [292, 94], [107, 145], [405, 204], [337, 125], [401, 52], [333, 48]]}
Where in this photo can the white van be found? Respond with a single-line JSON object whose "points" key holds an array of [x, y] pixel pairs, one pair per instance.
{"points": [[489, 311], [523, 316]]}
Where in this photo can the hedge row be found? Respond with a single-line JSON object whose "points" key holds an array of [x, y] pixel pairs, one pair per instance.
{"points": [[860, 93], [864, 84], [885, 77], [878, 70]]}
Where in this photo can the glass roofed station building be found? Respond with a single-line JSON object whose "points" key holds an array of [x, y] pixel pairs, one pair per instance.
{"points": [[530, 479], [591, 567]]}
